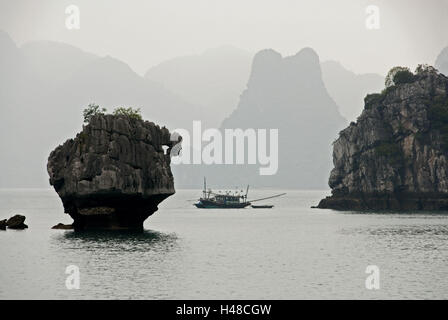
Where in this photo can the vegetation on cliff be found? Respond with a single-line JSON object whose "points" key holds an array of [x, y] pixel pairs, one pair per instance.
{"points": [[95, 110]]}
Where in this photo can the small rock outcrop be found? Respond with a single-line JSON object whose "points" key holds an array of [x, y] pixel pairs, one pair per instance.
{"points": [[114, 173], [61, 226], [395, 157], [3, 224], [16, 222]]}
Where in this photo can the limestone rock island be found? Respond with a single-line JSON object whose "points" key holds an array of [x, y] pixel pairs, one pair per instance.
{"points": [[114, 173], [395, 157]]}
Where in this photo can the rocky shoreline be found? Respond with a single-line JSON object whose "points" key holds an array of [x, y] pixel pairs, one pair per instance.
{"points": [[387, 201]]}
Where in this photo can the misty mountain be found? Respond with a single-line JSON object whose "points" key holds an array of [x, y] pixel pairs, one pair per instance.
{"points": [[14, 71], [110, 82], [213, 79], [52, 62], [442, 61], [45, 87], [288, 94], [348, 89]]}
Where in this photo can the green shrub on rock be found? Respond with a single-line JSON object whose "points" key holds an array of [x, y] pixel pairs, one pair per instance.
{"points": [[403, 76], [129, 112], [92, 110], [398, 75]]}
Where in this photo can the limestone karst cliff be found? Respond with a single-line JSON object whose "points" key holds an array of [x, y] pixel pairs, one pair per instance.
{"points": [[395, 156], [114, 173]]}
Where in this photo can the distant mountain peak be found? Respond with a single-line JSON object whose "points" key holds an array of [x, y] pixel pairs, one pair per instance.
{"points": [[6, 39], [347, 88], [309, 54], [7, 45], [287, 94], [213, 79], [267, 54], [302, 69], [442, 61]]}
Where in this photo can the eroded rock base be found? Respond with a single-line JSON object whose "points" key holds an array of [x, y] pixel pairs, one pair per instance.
{"points": [[396, 201], [111, 212]]}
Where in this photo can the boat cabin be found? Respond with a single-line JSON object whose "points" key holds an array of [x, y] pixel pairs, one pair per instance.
{"points": [[227, 198]]}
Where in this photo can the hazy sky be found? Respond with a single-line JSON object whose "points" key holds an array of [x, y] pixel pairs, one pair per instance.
{"points": [[145, 32]]}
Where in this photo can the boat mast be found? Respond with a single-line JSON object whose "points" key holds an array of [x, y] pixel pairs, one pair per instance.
{"points": [[204, 192]]}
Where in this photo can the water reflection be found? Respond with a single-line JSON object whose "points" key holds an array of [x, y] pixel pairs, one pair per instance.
{"points": [[398, 214], [400, 230], [410, 230], [427, 238], [122, 265], [148, 240]]}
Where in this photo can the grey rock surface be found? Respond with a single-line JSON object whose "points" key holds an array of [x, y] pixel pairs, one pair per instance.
{"points": [[3, 224], [17, 222], [61, 226], [114, 173], [395, 155]]}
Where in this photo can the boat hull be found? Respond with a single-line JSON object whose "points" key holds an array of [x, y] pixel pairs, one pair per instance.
{"points": [[207, 204]]}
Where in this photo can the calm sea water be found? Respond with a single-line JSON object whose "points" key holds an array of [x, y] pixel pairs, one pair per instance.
{"points": [[289, 252]]}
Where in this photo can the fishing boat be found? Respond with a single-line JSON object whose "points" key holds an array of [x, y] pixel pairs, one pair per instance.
{"points": [[225, 200]]}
